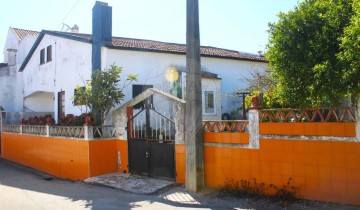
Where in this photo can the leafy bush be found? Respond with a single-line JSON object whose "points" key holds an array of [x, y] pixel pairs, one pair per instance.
{"points": [[41, 120], [72, 120], [68, 120]]}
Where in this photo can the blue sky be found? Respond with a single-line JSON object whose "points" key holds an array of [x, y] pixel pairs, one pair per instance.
{"points": [[232, 24]]}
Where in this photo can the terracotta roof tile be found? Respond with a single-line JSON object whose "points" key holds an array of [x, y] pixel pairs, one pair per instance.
{"points": [[181, 48], [166, 47], [21, 33], [157, 46]]}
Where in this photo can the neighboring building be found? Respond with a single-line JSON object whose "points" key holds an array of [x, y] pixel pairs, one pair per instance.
{"points": [[59, 61], [17, 45]]}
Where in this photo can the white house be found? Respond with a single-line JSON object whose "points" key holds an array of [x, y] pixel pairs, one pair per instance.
{"points": [[58, 61], [17, 45]]}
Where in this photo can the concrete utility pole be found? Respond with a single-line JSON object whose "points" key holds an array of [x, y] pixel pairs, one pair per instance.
{"points": [[194, 139]]}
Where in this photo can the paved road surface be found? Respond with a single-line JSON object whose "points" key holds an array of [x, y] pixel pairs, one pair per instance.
{"points": [[23, 188]]}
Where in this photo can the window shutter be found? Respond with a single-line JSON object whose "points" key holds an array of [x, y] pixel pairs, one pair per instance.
{"points": [[49, 53], [42, 56]]}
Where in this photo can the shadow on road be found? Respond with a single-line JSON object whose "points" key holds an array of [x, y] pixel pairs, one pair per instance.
{"points": [[46, 191]]}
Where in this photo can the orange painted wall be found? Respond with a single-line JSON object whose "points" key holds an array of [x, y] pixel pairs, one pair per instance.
{"points": [[344, 129], [327, 171], [103, 157], [122, 146], [180, 162], [224, 137], [64, 158]]}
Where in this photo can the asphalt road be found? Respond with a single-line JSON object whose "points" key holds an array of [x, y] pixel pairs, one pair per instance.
{"points": [[24, 188]]}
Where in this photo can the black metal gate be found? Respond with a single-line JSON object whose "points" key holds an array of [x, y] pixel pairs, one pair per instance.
{"points": [[151, 144]]}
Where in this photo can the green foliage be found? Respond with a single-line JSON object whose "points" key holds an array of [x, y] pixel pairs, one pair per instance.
{"points": [[311, 50], [249, 97], [350, 45], [102, 92]]}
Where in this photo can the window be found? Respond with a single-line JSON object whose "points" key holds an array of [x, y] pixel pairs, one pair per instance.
{"points": [[61, 103], [209, 102], [136, 90], [42, 56], [49, 53]]}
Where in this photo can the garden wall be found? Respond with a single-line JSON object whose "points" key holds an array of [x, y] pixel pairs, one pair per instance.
{"points": [[74, 159], [325, 170]]}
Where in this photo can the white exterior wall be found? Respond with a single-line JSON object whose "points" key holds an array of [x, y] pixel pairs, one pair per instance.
{"points": [[232, 73], [151, 68], [11, 83], [73, 68], [70, 66], [7, 88], [24, 47], [12, 42], [40, 102]]}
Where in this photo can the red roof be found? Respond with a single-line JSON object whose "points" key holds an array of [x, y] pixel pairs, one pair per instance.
{"points": [[166, 47], [155, 46], [180, 48], [21, 33]]}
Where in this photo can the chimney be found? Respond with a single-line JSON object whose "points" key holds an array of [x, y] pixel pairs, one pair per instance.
{"points": [[101, 31], [75, 29], [11, 59]]}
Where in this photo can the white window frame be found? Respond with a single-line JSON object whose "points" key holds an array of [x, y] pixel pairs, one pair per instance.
{"points": [[203, 102]]}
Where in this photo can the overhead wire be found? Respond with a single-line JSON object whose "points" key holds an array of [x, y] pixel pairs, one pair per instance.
{"points": [[67, 14]]}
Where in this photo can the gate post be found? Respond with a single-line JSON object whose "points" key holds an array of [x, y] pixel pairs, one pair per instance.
{"points": [[130, 124], [88, 132], [254, 123], [2, 118]]}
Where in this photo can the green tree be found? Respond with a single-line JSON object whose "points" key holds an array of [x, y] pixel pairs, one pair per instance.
{"points": [[102, 92], [264, 85], [304, 51], [350, 55]]}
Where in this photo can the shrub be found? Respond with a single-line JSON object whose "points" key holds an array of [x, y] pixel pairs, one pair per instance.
{"points": [[41, 120], [72, 120]]}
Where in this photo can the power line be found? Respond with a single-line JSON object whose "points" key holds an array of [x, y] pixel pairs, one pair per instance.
{"points": [[72, 8]]}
